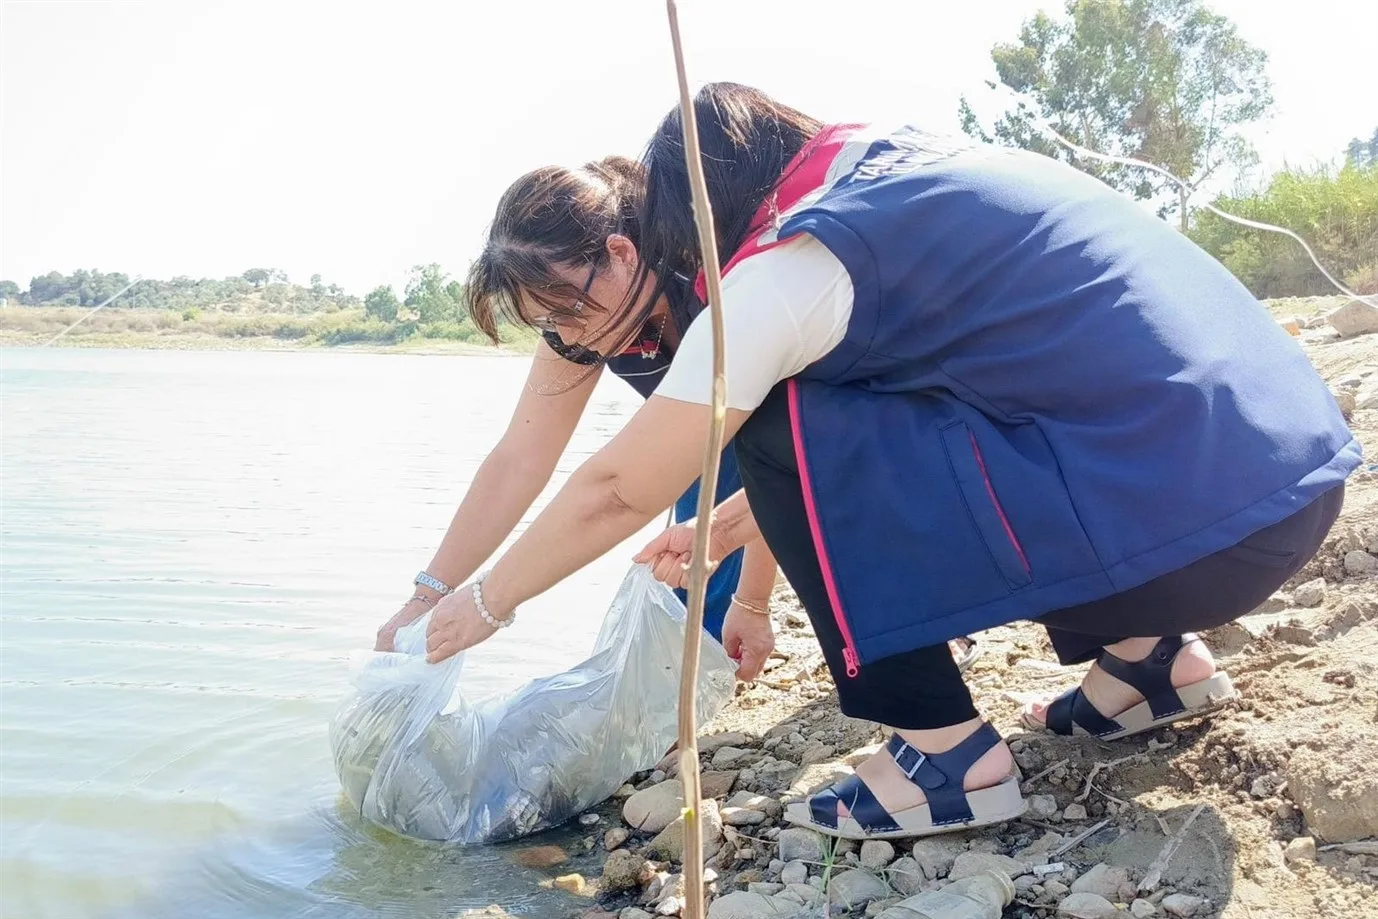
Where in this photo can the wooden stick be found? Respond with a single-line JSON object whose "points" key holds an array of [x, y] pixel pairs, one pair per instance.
{"points": [[708, 480], [1028, 783], [1075, 841], [1159, 864]]}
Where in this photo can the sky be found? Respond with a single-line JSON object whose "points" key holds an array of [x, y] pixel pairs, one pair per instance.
{"points": [[356, 140]]}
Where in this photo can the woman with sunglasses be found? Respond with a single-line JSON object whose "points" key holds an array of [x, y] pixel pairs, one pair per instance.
{"points": [[967, 385]]}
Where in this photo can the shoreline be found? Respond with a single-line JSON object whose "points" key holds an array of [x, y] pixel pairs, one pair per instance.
{"points": [[123, 341]]}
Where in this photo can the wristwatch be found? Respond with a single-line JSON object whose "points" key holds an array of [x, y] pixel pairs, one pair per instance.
{"points": [[425, 580]]}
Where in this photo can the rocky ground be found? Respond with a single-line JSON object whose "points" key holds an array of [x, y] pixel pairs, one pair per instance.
{"points": [[1266, 810]]}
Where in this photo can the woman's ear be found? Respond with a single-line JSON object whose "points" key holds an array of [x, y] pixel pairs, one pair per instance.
{"points": [[621, 249]]}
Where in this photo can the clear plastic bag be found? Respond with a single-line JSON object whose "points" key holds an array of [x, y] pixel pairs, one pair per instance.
{"points": [[418, 758]]}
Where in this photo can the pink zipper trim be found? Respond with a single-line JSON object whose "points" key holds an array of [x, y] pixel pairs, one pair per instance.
{"points": [[849, 656], [990, 490]]}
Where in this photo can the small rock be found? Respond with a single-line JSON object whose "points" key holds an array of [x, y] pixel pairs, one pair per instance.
{"points": [[1114, 884], [670, 906], [1360, 563], [795, 872], [656, 777], [1043, 806], [1074, 812], [764, 888], [540, 857], [670, 843], [854, 888], [626, 791], [799, 843], [752, 801], [1301, 849], [1179, 904], [1310, 595], [742, 904], [815, 752], [589, 819], [625, 870], [1086, 906], [876, 907], [573, 883], [935, 856], [1266, 785], [1056, 888], [876, 854], [1346, 400], [906, 876], [1354, 318], [653, 809], [1025, 883], [1336, 786], [726, 756], [633, 912], [717, 784], [615, 836], [1142, 909], [972, 863], [742, 816], [716, 742], [806, 894]]}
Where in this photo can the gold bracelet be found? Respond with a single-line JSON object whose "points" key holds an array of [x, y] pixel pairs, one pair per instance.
{"points": [[751, 607]]}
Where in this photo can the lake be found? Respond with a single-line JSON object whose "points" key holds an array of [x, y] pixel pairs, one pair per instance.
{"points": [[192, 545]]}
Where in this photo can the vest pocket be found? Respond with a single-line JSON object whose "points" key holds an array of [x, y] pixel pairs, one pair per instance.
{"points": [[969, 470]]}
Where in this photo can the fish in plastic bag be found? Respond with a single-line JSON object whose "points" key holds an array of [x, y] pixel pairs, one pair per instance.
{"points": [[416, 757]]}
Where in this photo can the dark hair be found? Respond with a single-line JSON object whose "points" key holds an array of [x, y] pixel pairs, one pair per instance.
{"points": [[747, 139], [549, 217]]}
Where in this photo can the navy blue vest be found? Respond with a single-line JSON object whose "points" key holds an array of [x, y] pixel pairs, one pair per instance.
{"points": [[1045, 395]]}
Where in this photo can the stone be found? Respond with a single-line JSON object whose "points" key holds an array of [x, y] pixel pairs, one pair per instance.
{"points": [[1086, 906], [935, 856], [799, 843], [540, 857], [715, 742], [1336, 786], [1301, 849], [726, 756], [670, 906], [1056, 888], [876, 854], [815, 752], [795, 872], [717, 784], [853, 888], [969, 864], [626, 791], [589, 819], [742, 816], [1360, 563], [1074, 812], [742, 904], [669, 845], [816, 778], [488, 912], [1142, 909], [633, 912], [615, 837], [1180, 904], [653, 809], [1346, 400], [1025, 883], [752, 801], [765, 888], [573, 883], [806, 894], [625, 870], [1043, 806], [1310, 595], [1354, 318], [876, 907], [1114, 884], [906, 876]]}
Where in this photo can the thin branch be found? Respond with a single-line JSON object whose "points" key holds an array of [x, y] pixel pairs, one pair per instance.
{"points": [[1076, 840], [1159, 864], [698, 567]]}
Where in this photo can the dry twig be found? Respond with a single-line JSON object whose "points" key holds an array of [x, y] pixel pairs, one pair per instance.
{"points": [[1028, 783], [1159, 864], [1076, 840]]}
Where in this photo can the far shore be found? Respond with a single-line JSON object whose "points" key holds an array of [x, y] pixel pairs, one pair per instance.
{"points": [[136, 341]]}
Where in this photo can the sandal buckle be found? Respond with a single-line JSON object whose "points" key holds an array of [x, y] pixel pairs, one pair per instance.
{"points": [[918, 763]]}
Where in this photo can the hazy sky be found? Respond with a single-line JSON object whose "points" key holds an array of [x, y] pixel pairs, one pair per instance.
{"points": [[355, 140]]}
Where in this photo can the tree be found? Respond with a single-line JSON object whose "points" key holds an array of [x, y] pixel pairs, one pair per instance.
{"points": [[257, 276], [1363, 153], [1163, 81], [381, 303], [10, 290], [432, 295]]}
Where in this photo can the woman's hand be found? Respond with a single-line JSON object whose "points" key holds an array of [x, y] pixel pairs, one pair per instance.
{"points": [[670, 553], [411, 611], [748, 639], [456, 625]]}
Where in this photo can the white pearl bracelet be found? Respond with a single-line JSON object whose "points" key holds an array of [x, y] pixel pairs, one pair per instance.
{"points": [[483, 607]]}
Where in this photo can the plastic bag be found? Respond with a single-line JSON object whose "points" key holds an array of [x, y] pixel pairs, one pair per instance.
{"points": [[414, 756]]}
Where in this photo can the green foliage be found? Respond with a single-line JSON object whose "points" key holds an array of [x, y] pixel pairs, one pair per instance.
{"points": [[10, 290], [1363, 153], [1165, 81], [381, 303], [233, 295], [257, 276], [433, 296], [1336, 212]]}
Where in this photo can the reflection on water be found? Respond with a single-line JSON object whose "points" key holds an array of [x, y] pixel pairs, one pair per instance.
{"points": [[192, 544]]}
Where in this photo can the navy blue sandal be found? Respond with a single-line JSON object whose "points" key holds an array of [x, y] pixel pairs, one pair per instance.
{"points": [[940, 775], [1072, 714]]}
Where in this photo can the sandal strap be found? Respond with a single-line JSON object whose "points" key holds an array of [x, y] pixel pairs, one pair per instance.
{"points": [[940, 775], [861, 805], [1152, 676], [1072, 709]]}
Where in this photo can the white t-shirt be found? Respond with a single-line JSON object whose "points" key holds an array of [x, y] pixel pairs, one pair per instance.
{"points": [[783, 309]]}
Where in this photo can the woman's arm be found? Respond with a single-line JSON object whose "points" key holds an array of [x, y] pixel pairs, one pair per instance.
{"points": [[618, 491]]}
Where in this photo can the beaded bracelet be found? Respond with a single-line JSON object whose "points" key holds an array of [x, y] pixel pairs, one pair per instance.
{"points": [[483, 607]]}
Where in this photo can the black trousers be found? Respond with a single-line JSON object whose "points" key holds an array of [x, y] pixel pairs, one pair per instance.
{"points": [[922, 689]]}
